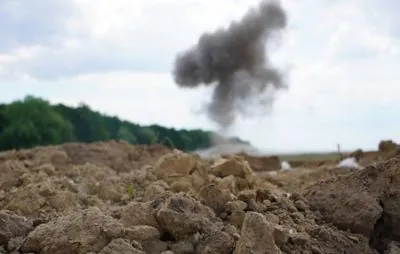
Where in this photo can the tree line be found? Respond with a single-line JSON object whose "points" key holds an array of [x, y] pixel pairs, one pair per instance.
{"points": [[33, 121]]}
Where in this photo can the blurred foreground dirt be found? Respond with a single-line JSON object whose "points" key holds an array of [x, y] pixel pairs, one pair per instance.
{"points": [[111, 197]]}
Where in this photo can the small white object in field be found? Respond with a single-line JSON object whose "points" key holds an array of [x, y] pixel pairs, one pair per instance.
{"points": [[349, 163], [285, 165]]}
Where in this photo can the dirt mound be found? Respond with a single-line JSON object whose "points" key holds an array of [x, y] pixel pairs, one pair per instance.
{"points": [[262, 163], [111, 197], [120, 156], [364, 202], [387, 146]]}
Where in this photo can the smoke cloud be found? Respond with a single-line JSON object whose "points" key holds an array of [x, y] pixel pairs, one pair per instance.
{"points": [[236, 60]]}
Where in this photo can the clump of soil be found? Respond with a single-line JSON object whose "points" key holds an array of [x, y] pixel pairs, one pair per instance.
{"points": [[364, 202], [387, 146], [262, 163], [112, 197]]}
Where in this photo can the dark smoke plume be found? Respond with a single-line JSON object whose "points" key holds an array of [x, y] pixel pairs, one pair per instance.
{"points": [[235, 60]]}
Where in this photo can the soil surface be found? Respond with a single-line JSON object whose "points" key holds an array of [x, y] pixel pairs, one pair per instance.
{"points": [[112, 197]]}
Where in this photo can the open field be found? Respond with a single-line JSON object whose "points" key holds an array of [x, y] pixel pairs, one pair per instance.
{"points": [[113, 197], [310, 156]]}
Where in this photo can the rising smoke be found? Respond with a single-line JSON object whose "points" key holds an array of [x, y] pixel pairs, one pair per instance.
{"points": [[235, 59]]}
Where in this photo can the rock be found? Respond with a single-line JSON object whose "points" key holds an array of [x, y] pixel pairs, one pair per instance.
{"points": [[247, 195], [228, 183], [136, 213], [148, 237], [118, 246], [287, 204], [12, 226], [114, 190], [236, 218], [15, 243], [255, 206], [142, 233], [136, 245], [211, 195], [273, 218], [182, 247], [154, 190], [86, 231], [48, 168], [236, 205], [392, 248], [241, 183], [182, 185], [182, 216], [281, 235], [215, 242], [11, 171], [256, 236], [64, 201], [300, 238], [199, 178], [231, 230], [301, 205], [70, 185], [234, 166], [18, 201], [174, 165], [154, 246]]}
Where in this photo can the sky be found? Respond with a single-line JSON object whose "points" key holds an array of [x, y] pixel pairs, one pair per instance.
{"points": [[342, 58]]}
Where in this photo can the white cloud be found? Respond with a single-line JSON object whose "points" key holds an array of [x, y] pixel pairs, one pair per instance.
{"points": [[117, 56]]}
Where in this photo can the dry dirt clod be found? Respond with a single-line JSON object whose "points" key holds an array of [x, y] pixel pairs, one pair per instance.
{"points": [[136, 214], [118, 246], [214, 197], [236, 205], [247, 195], [142, 233], [82, 232], [281, 235], [364, 202], [182, 216], [182, 247], [256, 236], [215, 241], [177, 164], [148, 237], [12, 226], [154, 190], [236, 218], [74, 198]]}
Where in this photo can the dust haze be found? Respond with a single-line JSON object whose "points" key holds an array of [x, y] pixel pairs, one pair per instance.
{"points": [[236, 61]]}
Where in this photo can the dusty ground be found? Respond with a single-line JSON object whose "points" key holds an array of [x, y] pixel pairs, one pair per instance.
{"points": [[116, 198]]}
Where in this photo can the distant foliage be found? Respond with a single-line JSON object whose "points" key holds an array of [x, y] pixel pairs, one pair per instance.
{"points": [[33, 121]]}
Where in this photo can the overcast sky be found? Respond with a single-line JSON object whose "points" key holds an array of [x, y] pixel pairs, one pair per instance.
{"points": [[117, 57]]}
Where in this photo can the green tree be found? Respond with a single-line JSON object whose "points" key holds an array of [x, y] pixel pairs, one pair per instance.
{"points": [[167, 142], [32, 122], [125, 134], [20, 135], [147, 136]]}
